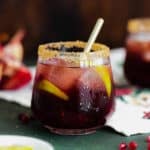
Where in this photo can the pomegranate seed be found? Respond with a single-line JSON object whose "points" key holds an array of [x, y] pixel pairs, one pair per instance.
{"points": [[133, 145], [148, 139], [24, 118], [123, 146], [123, 91]]}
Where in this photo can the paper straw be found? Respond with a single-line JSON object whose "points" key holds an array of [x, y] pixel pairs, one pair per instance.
{"points": [[94, 35]]}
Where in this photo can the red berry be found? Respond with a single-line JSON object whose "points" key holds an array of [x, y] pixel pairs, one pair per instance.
{"points": [[123, 91], [24, 118], [133, 145], [123, 146], [148, 139]]}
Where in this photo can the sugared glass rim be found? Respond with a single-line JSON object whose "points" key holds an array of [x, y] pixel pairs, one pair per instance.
{"points": [[138, 25], [45, 51]]}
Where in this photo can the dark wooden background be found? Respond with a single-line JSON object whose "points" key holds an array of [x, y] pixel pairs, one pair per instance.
{"points": [[57, 20]]}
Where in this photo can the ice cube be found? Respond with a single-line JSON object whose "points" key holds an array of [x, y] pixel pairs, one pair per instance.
{"points": [[57, 61], [91, 79], [63, 77], [91, 88]]}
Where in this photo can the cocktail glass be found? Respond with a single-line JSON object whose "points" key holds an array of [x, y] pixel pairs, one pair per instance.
{"points": [[137, 62], [73, 91]]}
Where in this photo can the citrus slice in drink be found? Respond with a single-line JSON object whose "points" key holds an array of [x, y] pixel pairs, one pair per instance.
{"points": [[53, 89], [104, 73], [63, 77]]}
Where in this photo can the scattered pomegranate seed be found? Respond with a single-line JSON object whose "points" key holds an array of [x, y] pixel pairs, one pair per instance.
{"points": [[133, 145], [24, 118], [123, 146], [123, 91]]}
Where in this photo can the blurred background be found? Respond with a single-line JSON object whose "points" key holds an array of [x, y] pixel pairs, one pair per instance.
{"points": [[61, 20]]}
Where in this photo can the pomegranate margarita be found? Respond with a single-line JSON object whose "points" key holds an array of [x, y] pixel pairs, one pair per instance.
{"points": [[73, 91]]}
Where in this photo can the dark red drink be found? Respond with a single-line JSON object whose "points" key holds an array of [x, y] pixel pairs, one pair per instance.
{"points": [[137, 64], [72, 97]]}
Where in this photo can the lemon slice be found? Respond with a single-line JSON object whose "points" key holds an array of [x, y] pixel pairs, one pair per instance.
{"points": [[51, 88], [15, 148], [104, 73]]}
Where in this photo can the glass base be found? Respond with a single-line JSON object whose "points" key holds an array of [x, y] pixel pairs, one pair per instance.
{"points": [[72, 131]]}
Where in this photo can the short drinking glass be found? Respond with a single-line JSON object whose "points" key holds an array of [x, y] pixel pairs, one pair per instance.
{"points": [[73, 91]]}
